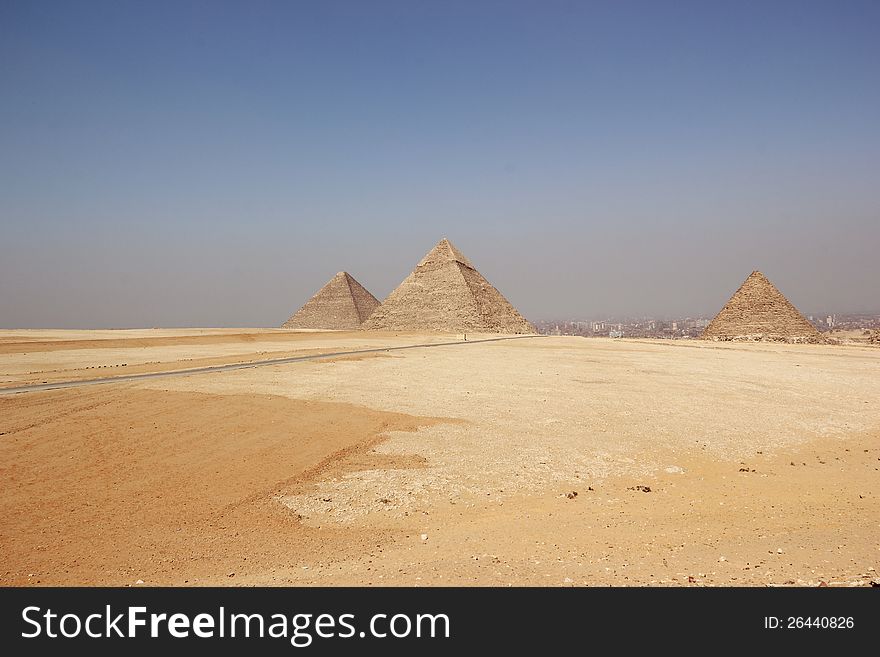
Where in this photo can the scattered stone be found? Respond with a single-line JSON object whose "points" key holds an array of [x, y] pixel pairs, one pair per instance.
{"points": [[140, 581], [643, 489], [230, 574], [573, 494], [424, 537]]}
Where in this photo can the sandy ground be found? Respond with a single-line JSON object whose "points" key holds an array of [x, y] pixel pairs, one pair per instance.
{"points": [[692, 464], [48, 356], [850, 336]]}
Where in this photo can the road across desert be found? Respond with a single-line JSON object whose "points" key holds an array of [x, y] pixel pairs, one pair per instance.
{"points": [[547, 461], [228, 367]]}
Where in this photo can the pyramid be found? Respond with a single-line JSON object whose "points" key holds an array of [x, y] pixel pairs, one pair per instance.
{"points": [[342, 303], [758, 311], [446, 293]]}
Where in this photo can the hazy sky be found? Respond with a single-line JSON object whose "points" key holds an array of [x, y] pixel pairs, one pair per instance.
{"points": [[214, 163]]}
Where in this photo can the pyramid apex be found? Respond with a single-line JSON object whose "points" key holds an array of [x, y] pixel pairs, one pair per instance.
{"points": [[445, 251], [758, 277]]}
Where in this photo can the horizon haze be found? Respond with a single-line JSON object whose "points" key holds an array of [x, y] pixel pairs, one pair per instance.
{"points": [[216, 163]]}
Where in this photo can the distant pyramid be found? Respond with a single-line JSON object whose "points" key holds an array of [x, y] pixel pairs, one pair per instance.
{"points": [[758, 311], [342, 303], [445, 293]]}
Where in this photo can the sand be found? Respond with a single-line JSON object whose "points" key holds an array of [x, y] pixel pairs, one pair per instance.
{"points": [[448, 465], [46, 356]]}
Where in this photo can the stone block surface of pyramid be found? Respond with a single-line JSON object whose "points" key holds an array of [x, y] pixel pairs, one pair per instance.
{"points": [[446, 293], [758, 311], [342, 303]]}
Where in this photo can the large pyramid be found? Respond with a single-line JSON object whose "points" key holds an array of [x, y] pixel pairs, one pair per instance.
{"points": [[342, 303], [758, 311], [445, 293]]}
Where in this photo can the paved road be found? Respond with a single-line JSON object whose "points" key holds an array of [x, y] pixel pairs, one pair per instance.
{"points": [[37, 387]]}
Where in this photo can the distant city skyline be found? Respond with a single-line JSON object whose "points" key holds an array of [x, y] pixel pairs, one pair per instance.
{"points": [[687, 327], [215, 163]]}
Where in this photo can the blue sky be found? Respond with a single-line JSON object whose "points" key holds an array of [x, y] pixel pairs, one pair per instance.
{"points": [[214, 163]]}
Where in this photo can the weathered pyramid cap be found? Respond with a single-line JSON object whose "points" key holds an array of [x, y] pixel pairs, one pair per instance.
{"points": [[342, 303], [758, 276], [444, 252]]}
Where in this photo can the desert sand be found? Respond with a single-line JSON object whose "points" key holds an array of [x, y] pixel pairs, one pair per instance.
{"points": [[556, 461]]}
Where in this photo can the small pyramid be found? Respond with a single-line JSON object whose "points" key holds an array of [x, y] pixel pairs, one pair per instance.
{"points": [[446, 293], [342, 303], [758, 311]]}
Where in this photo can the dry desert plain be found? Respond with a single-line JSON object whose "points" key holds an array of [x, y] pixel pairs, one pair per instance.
{"points": [[557, 461]]}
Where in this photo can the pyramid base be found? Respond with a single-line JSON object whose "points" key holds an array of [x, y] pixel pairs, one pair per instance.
{"points": [[769, 337]]}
